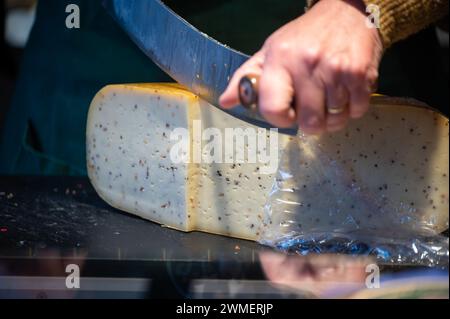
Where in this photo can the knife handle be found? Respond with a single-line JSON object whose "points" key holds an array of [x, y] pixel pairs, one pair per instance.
{"points": [[248, 91]]}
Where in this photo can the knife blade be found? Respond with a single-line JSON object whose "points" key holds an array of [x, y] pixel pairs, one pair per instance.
{"points": [[189, 56]]}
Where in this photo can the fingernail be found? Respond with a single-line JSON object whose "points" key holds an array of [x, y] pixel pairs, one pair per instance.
{"points": [[357, 115], [335, 128], [222, 100], [313, 121], [291, 114], [312, 125]]}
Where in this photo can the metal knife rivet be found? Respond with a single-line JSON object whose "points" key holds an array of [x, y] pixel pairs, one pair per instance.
{"points": [[248, 91]]}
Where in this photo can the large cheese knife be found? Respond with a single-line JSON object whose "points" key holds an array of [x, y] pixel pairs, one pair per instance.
{"points": [[189, 56]]}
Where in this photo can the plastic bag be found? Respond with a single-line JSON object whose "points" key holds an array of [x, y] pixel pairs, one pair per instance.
{"points": [[321, 203]]}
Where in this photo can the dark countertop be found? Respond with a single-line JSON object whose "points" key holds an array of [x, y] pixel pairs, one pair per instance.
{"points": [[41, 214], [47, 223]]}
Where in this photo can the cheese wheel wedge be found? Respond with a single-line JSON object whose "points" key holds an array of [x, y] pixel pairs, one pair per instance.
{"points": [[129, 161], [385, 175], [131, 144]]}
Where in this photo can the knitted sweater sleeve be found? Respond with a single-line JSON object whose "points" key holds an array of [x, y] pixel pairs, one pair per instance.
{"points": [[401, 18]]}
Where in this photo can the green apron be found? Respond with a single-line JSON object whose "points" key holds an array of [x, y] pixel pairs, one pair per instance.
{"points": [[62, 69]]}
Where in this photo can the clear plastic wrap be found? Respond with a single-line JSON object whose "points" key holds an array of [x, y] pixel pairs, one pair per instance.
{"points": [[321, 203]]}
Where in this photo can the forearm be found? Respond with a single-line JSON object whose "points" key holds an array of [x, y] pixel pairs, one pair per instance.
{"points": [[401, 18]]}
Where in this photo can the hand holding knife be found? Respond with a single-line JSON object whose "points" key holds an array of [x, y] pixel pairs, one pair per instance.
{"points": [[319, 81], [317, 72]]}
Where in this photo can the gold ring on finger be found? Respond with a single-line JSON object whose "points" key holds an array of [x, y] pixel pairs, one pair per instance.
{"points": [[336, 110]]}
